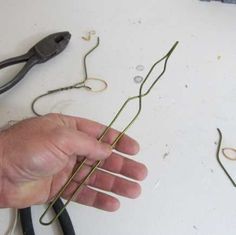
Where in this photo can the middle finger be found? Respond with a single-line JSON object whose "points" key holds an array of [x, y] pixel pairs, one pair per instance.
{"points": [[109, 182]]}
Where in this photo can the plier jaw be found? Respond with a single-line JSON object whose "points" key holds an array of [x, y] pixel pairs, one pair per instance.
{"points": [[51, 46], [44, 50]]}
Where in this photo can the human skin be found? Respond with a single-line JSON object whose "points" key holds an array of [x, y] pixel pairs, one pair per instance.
{"points": [[38, 154]]}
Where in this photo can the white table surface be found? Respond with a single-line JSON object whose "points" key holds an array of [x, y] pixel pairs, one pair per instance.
{"points": [[185, 192]]}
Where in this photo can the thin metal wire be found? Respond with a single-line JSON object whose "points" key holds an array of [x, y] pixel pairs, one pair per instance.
{"points": [[120, 135], [224, 150], [219, 160], [85, 59], [79, 85]]}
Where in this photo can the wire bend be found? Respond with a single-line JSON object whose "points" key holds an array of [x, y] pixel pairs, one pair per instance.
{"points": [[218, 158], [120, 135], [79, 85]]}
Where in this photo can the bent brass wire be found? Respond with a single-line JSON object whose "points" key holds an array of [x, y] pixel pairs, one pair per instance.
{"points": [[219, 160], [79, 85], [115, 141]]}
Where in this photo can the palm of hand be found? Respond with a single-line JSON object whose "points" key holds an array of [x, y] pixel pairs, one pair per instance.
{"points": [[40, 154]]}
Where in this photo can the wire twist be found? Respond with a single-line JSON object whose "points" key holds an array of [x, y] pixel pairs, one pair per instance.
{"points": [[79, 85]]}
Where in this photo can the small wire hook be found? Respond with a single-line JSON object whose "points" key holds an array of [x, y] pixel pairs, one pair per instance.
{"points": [[219, 160]]}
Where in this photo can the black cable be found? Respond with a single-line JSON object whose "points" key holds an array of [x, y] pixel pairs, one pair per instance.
{"points": [[26, 221], [64, 220]]}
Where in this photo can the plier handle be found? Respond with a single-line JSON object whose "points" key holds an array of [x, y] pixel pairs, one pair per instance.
{"points": [[44, 50]]}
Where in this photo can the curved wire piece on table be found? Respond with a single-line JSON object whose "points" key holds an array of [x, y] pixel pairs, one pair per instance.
{"points": [[78, 168], [79, 85], [218, 158]]}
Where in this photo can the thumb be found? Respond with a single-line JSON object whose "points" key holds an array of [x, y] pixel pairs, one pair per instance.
{"points": [[72, 141]]}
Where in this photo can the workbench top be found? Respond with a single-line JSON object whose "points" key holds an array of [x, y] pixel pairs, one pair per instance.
{"points": [[186, 191]]}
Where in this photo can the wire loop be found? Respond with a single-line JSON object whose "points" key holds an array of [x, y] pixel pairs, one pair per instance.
{"points": [[225, 150], [103, 83]]}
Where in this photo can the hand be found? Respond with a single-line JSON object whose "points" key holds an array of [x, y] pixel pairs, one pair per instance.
{"points": [[37, 155]]}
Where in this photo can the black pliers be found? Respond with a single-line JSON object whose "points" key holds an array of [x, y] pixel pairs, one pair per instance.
{"points": [[44, 50], [64, 220]]}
